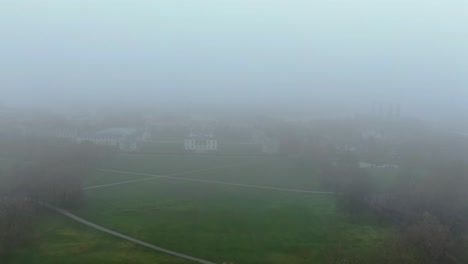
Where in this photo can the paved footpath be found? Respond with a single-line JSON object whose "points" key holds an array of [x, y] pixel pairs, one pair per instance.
{"points": [[168, 176], [122, 236]]}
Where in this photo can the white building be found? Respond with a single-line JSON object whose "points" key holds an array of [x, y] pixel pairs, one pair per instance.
{"points": [[124, 139], [146, 135], [201, 143]]}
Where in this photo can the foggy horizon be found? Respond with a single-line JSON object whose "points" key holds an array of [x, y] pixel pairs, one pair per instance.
{"points": [[234, 131], [341, 55]]}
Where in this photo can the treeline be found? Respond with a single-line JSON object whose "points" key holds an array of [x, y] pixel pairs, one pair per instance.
{"points": [[17, 216], [426, 204], [54, 177]]}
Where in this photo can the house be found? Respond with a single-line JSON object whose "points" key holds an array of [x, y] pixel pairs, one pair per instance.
{"points": [[124, 139], [129, 145], [146, 135], [201, 142]]}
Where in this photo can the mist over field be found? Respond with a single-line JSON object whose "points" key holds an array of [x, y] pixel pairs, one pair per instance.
{"points": [[221, 131], [337, 55]]}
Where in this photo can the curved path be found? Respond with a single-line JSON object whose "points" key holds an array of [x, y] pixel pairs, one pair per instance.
{"points": [[173, 177], [131, 239]]}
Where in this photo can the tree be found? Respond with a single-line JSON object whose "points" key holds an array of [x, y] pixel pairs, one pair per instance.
{"points": [[431, 237], [396, 249], [16, 222], [355, 187]]}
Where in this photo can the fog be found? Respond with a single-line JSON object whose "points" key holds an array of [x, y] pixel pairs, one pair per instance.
{"points": [[335, 55], [234, 131]]}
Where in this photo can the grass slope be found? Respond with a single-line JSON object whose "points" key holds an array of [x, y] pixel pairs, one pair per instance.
{"points": [[215, 222], [228, 223], [59, 240]]}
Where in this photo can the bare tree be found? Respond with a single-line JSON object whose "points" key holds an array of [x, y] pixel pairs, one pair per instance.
{"points": [[431, 237], [16, 222]]}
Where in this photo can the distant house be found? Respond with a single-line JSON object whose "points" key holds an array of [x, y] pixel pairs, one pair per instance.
{"points": [[202, 142], [146, 135], [124, 139]]}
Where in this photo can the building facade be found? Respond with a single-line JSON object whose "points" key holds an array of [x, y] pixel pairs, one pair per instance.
{"points": [[201, 143], [124, 139]]}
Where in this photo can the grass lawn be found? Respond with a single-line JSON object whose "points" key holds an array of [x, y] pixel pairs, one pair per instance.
{"points": [[60, 240], [267, 171], [226, 223], [164, 164], [219, 223]]}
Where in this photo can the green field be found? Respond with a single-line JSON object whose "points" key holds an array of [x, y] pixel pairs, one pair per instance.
{"points": [[60, 240], [220, 223]]}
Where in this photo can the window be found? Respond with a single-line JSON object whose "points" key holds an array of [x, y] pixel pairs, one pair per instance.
{"points": [[199, 142]]}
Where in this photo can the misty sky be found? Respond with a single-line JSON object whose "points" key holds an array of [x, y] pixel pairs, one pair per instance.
{"points": [[241, 52]]}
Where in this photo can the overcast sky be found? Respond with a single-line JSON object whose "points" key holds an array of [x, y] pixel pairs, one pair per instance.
{"points": [[241, 52]]}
